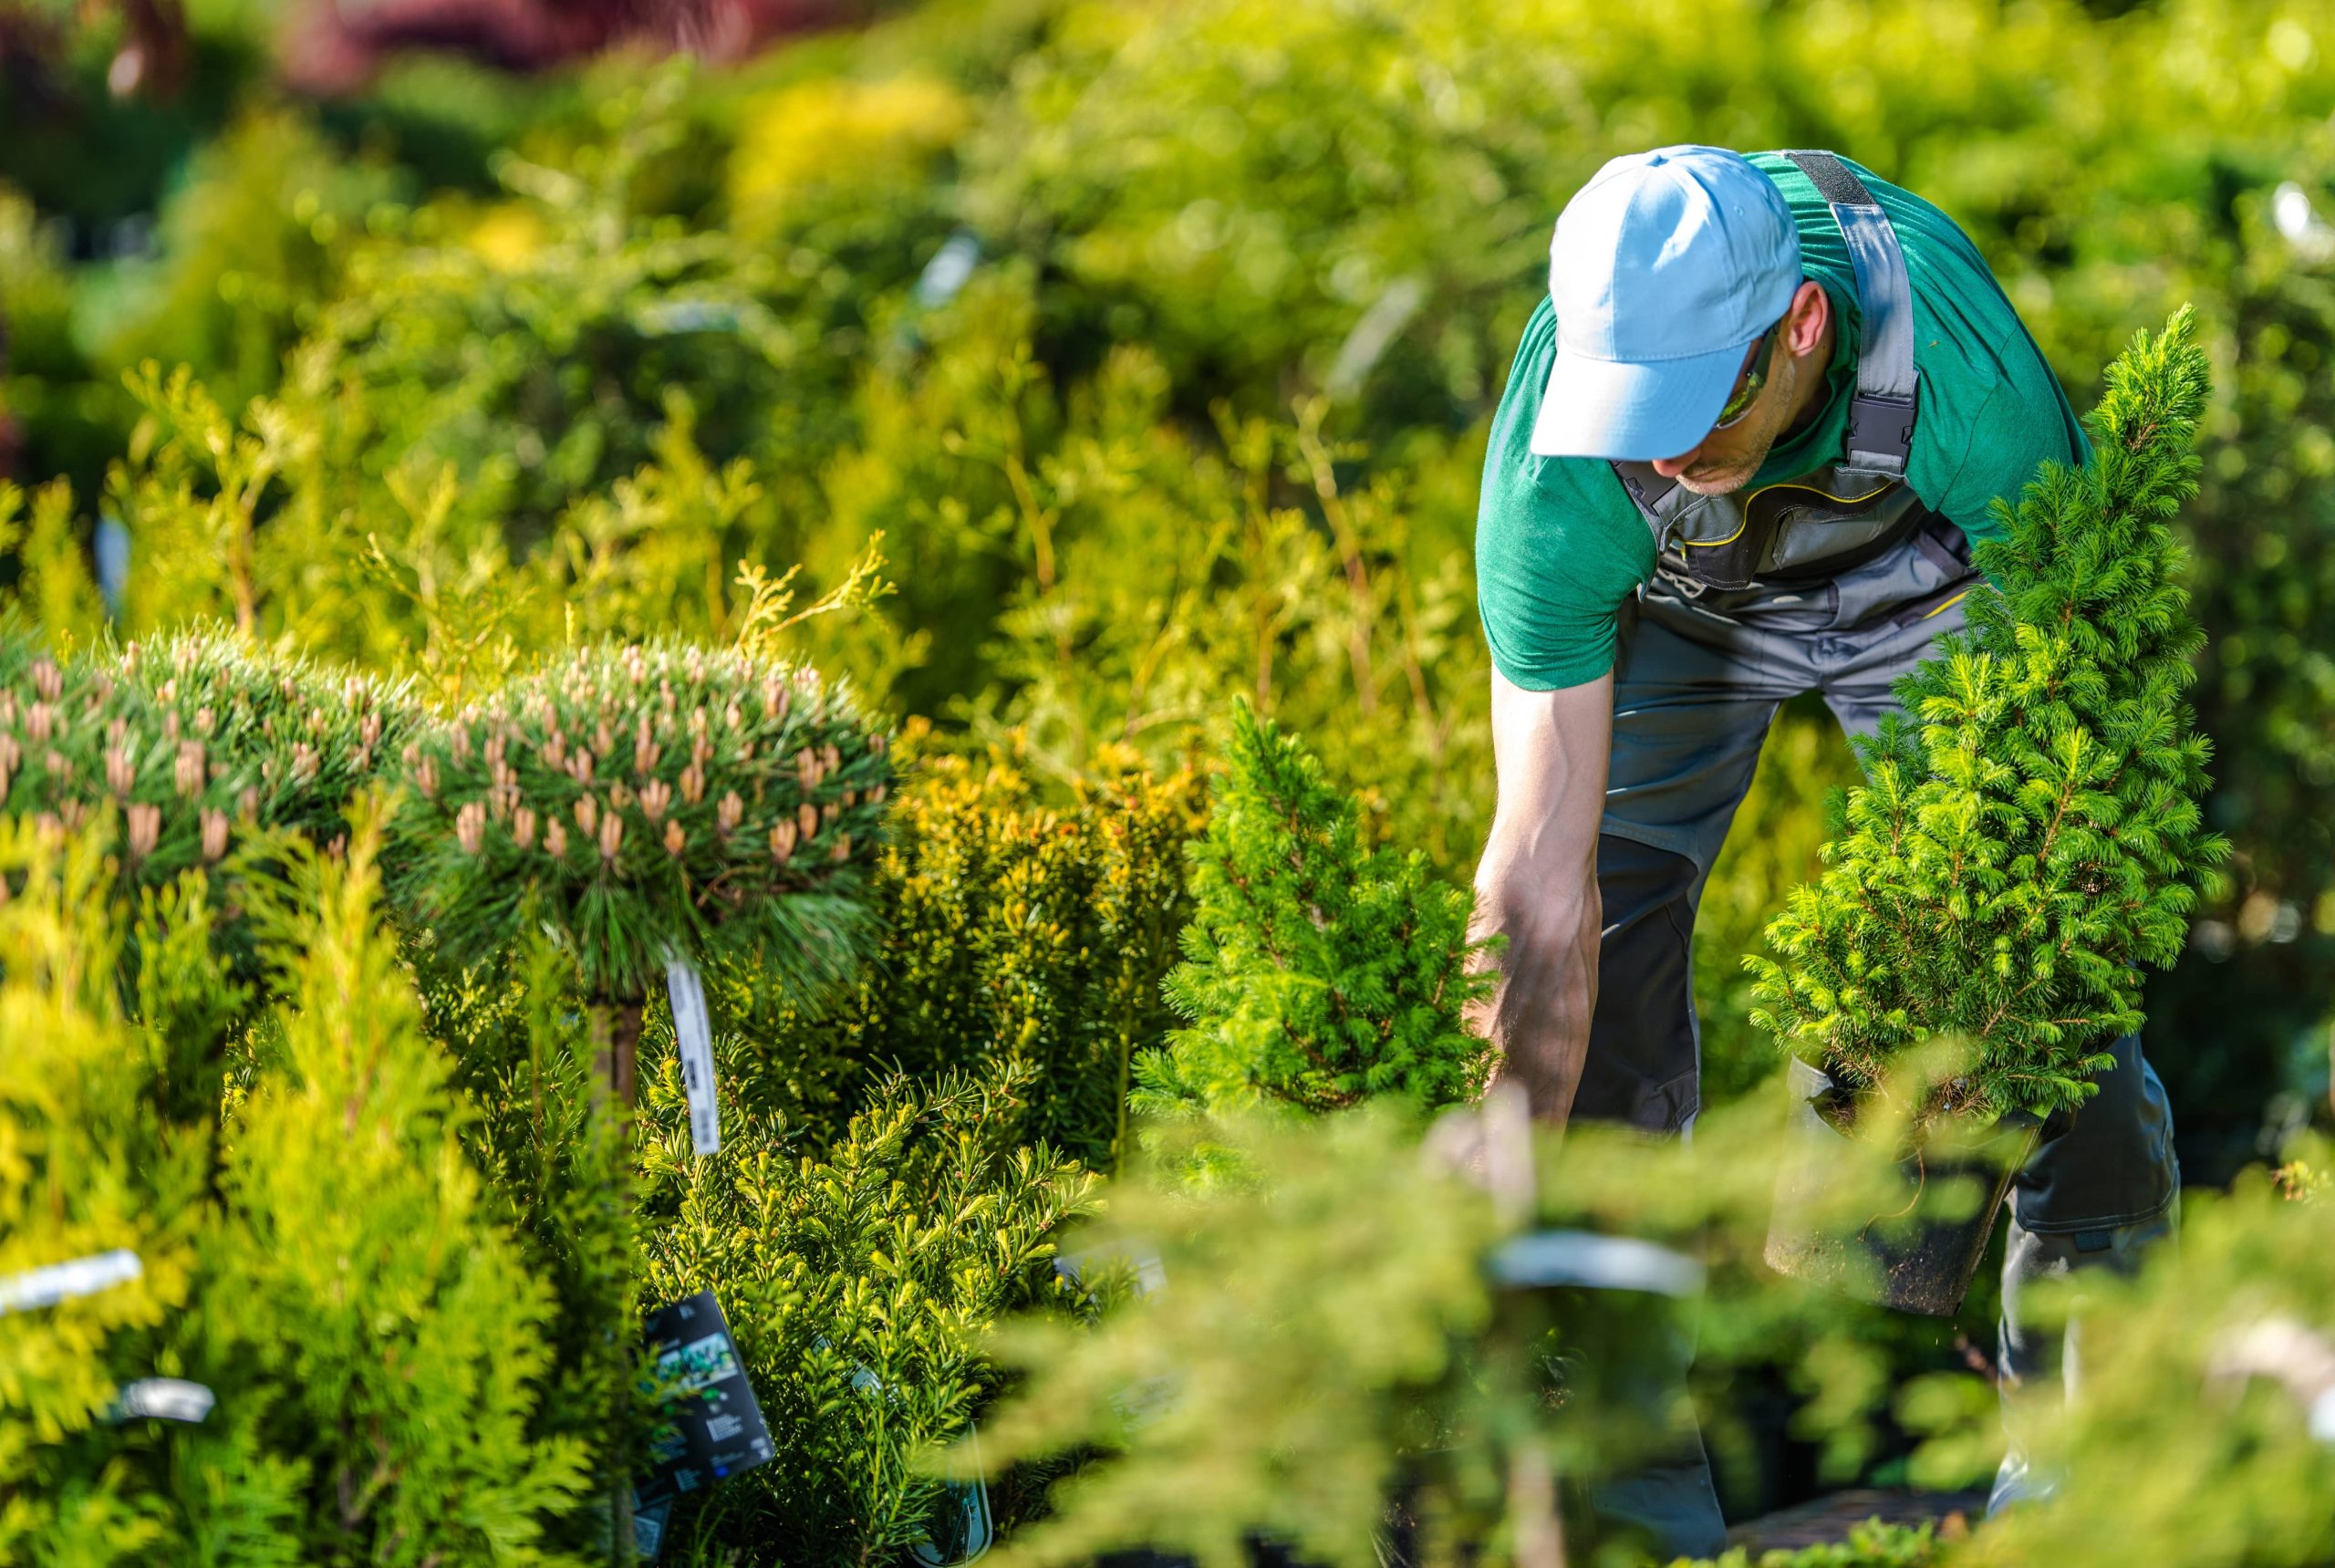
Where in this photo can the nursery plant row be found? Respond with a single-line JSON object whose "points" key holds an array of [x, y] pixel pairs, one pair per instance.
{"points": [[453, 1133]]}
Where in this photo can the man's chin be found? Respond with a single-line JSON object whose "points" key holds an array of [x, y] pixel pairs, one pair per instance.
{"points": [[1718, 482]]}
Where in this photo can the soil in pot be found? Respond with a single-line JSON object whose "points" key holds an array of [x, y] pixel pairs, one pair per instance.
{"points": [[1905, 1230]]}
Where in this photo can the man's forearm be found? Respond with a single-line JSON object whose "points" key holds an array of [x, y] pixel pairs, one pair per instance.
{"points": [[1538, 1014], [1537, 887]]}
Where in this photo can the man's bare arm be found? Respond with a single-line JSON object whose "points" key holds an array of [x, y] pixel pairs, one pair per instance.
{"points": [[1537, 885]]}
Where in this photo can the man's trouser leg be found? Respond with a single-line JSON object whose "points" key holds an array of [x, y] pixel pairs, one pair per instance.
{"points": [[2096, 1197], [1690, 712], [1697, 680]]}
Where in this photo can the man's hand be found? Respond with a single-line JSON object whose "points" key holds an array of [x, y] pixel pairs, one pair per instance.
{"points": [[1537, 885]]}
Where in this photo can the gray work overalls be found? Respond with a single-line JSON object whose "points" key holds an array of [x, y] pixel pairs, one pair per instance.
{"points": [[1837, 582]]}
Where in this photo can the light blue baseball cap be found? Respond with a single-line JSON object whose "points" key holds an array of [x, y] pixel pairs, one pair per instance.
{"points": [[1664, 269]]}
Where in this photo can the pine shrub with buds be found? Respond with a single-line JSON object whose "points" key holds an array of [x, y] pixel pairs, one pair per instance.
{"points": [[649, 802], [186, 745], [2028, 833], [1320, 970]]}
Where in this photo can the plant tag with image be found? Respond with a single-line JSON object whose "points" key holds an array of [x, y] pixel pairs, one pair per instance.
{"points": [[648, 1530], [708, 1425], [693, 1035], [960, 1528]]}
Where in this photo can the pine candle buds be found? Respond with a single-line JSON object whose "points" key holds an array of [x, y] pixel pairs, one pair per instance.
{"points": [[643, 799], [178, 742]]}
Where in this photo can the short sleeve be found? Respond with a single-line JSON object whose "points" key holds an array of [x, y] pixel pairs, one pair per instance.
{"points": [[2019, 428], [1558, 544], [1553, 565]]}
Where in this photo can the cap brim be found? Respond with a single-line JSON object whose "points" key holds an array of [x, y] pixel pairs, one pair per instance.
{"points": [[1632, 413]]}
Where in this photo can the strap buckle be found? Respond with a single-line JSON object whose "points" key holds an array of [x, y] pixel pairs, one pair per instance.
{"points": [[1881, 432]]}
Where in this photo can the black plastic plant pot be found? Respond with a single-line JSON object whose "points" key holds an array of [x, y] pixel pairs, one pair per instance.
{"points": [[1918, 1247]]}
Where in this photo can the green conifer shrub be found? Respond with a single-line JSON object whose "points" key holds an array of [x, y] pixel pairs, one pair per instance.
{"points": [[651, 803], [857, 1283], [1320, 970], [338, 1281], [1014, 928], [2028, 833]]}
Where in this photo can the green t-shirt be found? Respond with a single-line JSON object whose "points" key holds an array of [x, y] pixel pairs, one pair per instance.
{"points": [[1558, 547]]}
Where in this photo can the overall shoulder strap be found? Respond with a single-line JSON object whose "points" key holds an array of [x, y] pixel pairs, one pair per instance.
{"points": [[1656, 498], [1888, 395]]}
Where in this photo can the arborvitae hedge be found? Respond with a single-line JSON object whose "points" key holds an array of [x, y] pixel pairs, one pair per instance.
{"points": [[87, 1166], [322, 1258]]}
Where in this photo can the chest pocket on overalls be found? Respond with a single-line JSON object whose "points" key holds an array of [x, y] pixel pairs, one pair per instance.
{"points": [[1796, 531], [1850, 511]]}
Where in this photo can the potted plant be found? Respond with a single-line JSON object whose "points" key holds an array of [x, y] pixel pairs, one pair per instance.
{"points": [[187, 741], [2028, 837]]}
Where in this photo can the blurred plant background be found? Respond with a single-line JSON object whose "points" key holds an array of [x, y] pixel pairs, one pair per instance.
{"points": [[1097, 363]]}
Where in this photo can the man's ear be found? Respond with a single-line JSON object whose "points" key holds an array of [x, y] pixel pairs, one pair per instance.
{"points": [[1804, 323]]}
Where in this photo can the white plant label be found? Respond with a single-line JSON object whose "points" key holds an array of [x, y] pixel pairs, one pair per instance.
{"points": [[165, 1399], [693, 1034], [63, 1282]]}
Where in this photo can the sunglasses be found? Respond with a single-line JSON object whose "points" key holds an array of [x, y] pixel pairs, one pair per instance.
{"points": [[1748, 385]]}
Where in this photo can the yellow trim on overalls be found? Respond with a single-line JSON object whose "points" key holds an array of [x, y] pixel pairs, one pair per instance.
{"points": [[1744, 511]]}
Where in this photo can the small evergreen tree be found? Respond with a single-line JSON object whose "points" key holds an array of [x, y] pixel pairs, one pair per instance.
{"points": [[2028, 833], [1320, 970]]}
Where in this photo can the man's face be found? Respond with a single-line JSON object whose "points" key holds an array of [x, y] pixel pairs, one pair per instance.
{"points": [[1724, 461]]}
